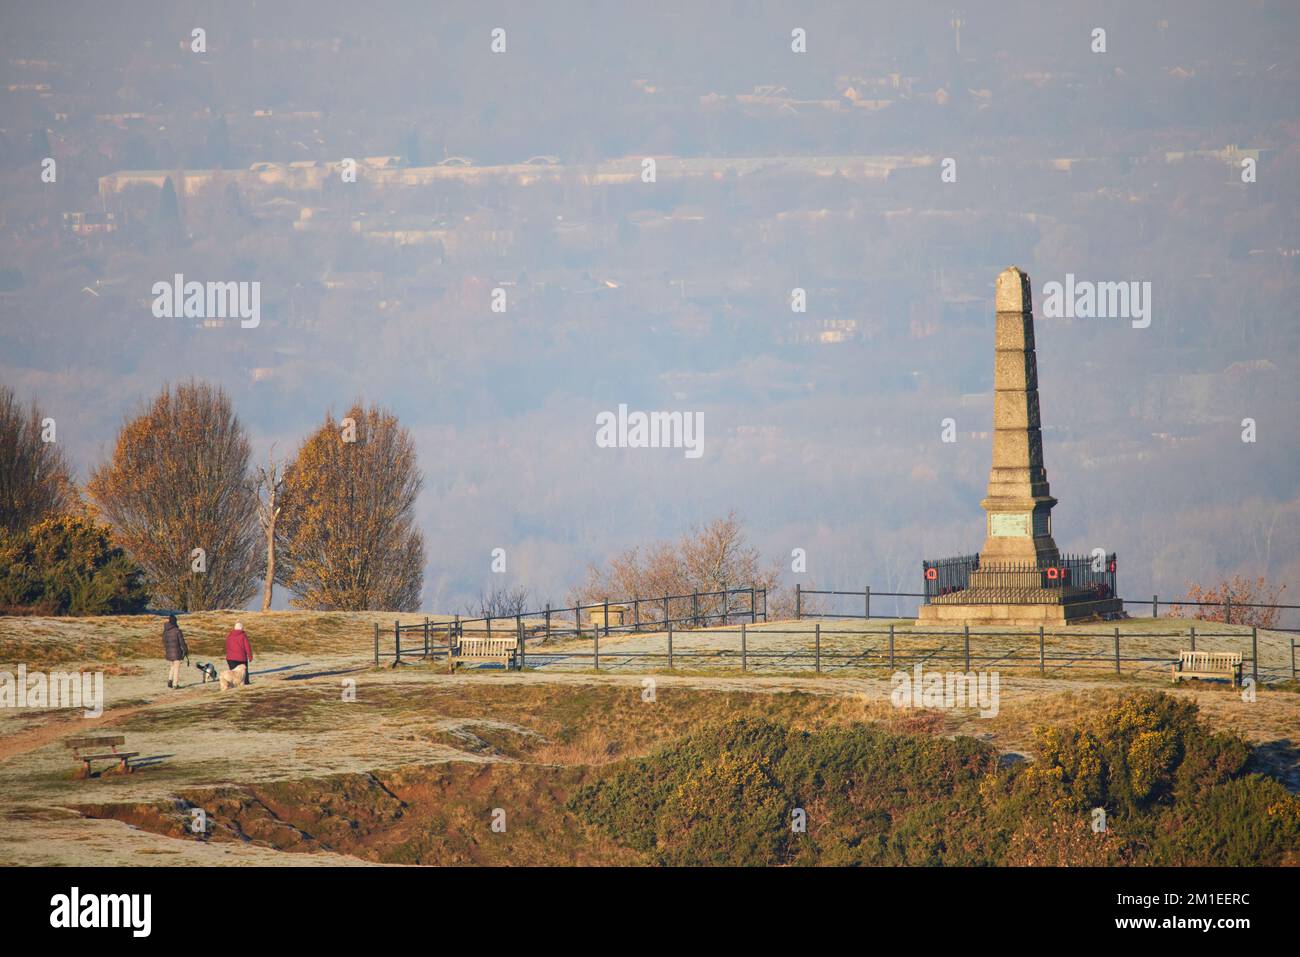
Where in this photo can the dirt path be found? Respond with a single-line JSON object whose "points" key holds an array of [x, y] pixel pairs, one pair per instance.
{"points": [[58, 728]]}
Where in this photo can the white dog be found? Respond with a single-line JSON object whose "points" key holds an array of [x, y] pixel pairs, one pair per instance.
{"points": [[234, 678]]}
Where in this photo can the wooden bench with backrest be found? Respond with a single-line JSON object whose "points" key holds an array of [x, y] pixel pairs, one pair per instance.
{"points": [[482, 649], [1208, 664], [87, 750]]}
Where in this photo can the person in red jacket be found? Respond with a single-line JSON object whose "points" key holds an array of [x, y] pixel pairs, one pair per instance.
{"points": [[238, 650]]}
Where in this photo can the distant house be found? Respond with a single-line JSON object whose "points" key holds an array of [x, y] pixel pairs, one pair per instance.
{"points": [[90, 223]]}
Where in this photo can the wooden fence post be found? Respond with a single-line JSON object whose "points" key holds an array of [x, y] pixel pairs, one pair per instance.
{"points": [[817, 646], [606, 617], [670, 646], [1042, 654], [695, 609], [595, 637], [868, 608], [667, 620], [1155, 606], [966, 645], [376, 644], [519, 638], [426, 637], [1254, 653], [636, 615], [744, 654], [725, 610], [1117, 670], [397, 641], [891, 646], [1227, 610], [798, 603], [753, 612], [548, 621], [765, 604], [1193, 637]]}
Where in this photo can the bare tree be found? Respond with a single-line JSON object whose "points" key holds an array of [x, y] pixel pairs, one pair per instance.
{"points": [[270, 480], [503, 602], [1238, 594], [709, 558], [35, 481]]}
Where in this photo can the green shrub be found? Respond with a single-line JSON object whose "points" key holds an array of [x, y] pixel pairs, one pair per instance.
{"points": [[68, 566], [727, 811], [1147, 750], [1252, 821], [1174, 792], [632, 802], [726, 795]]}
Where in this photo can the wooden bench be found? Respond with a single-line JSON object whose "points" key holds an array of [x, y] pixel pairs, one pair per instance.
{"points": [[1208, 664], [482, 649], [83, 749]]}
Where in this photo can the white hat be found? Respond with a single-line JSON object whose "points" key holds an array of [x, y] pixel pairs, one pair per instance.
{"points": [[239, 626]]}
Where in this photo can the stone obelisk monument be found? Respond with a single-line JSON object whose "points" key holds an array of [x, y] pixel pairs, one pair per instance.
{"points": [[1020, 577], [1019, 503]]}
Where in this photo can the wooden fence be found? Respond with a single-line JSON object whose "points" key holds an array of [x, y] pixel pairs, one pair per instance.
{"points": [[820, 649], [694, 610]]}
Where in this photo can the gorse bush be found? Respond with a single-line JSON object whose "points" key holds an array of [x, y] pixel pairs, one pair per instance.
{"points": [[729, 808], [1146, 751], [726, 794], [1173, 792]]}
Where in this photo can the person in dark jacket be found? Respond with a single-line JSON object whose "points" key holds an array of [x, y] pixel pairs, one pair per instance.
{"points": [[175, 650], [238, 650]]}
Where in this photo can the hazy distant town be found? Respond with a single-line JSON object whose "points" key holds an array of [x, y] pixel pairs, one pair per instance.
{"points": [[466, 230]]}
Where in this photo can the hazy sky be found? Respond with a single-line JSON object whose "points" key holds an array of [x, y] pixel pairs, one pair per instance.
{"points": [[823, 429]]}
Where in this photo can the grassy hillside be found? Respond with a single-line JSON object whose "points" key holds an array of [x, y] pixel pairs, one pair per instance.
{"points": [[1173, 791], [724, 791], [111, 639]]}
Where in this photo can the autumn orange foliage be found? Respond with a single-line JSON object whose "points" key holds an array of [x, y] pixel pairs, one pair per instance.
{"points": [[178, 495], [1243, 592], [347, 535]]}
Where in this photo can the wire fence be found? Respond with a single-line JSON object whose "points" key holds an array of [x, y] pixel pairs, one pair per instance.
{"points": [[821, 649], [807, 605]]}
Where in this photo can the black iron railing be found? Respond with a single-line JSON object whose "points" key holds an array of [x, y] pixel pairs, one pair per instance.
{"points": [[1072, 577], [948, 575]]}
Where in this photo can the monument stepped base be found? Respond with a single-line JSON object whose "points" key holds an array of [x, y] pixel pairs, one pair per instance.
{"points": [[1047, 615]]}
